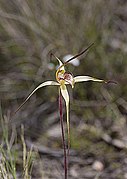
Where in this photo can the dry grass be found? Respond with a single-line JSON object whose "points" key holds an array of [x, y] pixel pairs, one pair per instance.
{"points": [[29, 31]]}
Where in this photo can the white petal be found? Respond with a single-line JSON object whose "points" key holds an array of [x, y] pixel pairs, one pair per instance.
{"points": [[60, 63], [61, 66], [47, 83], [66, 98], [65, 94], [86, 78]]}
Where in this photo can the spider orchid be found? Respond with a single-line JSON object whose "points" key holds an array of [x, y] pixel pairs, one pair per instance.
{"points": [[64, 78]]}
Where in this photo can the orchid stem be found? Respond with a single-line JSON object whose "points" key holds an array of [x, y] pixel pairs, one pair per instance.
{"points": [[63, 135], [68, 135]]}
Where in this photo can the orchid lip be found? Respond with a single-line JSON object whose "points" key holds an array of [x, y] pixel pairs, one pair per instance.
{"points": [[68, 77], [70, 82]]}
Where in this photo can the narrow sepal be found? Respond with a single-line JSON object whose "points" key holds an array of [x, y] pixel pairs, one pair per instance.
{"points": [[86, 78], [65, 95], [47, 83]]}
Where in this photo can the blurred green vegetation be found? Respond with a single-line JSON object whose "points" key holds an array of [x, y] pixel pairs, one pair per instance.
{"points": [[30, 30]]}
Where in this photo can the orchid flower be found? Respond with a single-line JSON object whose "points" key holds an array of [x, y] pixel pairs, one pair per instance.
{"points": [[64, 78]]}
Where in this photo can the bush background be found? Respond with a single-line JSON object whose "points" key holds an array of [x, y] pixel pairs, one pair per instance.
{"points": [[29, 31]]}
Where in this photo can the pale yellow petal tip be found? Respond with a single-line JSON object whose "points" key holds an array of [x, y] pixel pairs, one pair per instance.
{"points": [[72, 86], [72, 83]]}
